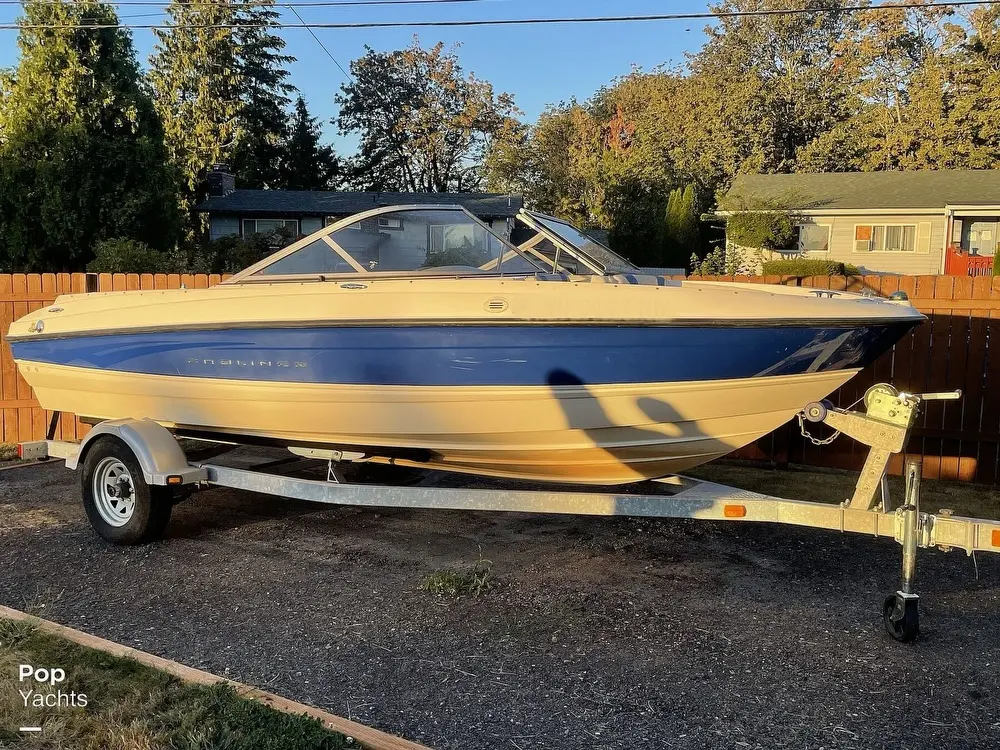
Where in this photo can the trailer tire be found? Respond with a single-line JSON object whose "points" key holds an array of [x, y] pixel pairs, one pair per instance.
{"points": [[121, 506]]}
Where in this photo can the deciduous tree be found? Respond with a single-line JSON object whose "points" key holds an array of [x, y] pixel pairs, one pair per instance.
{"points": [[424, 125]]}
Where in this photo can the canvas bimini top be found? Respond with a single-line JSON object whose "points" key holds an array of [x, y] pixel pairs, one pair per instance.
{"points": [[428, 241]]}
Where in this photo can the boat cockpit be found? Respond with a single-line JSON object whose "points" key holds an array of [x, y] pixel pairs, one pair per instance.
{"points": [[422, 241]]}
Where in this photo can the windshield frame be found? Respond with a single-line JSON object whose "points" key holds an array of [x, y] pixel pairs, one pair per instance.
{"points": [[534, 220], [250, 274]]}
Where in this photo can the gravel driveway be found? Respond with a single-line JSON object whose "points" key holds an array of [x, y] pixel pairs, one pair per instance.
{"points": [[597, 633]]}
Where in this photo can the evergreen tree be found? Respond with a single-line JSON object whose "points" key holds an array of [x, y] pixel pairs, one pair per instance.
{"points": [[220, 88], [681, 226], [264, 90], [81, 155], [307, 165], [195, 76], [688, 233]]}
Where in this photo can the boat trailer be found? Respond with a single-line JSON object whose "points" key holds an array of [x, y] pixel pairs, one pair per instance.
{"points": [[134, 471]]}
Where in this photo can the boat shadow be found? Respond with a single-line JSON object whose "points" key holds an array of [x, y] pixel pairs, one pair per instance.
{"points": [[585, 413], [226, 510]]}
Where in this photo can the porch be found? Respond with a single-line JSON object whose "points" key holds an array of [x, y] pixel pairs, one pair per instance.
{"points": [[973, 242]]}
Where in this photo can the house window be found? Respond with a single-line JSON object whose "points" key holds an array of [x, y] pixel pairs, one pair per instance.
{"points": [[885, 238], [390, 222], [814, 238], [458, 237], [267, 226]]}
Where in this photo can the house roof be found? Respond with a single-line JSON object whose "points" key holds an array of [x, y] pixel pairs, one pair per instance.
{"points": [[870, 190], [341, 203]]}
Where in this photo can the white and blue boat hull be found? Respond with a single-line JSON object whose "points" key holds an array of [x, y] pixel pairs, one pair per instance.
{"points": [[588, 403]]}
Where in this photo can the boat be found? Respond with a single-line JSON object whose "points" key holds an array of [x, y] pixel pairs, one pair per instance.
{"points": [[419, 336]]}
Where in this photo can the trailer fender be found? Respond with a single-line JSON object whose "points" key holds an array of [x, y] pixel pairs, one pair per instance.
{"points": [[157, 451]]}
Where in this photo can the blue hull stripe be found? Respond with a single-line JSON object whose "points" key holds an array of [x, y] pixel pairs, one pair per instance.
{"points": [[473, 355]]}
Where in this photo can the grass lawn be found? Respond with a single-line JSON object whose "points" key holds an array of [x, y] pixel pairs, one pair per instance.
{"points": [[834, 486], [133, 707]]}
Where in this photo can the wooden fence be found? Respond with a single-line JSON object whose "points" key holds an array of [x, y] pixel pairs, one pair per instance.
{"points": [[21, 418], [959, 347]]}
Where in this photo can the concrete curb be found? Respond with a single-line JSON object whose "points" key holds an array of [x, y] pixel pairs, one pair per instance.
{"points": [[369, 738]]}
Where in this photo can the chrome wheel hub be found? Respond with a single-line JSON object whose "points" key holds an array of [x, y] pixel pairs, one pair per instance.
{"points": [[114, 492]]}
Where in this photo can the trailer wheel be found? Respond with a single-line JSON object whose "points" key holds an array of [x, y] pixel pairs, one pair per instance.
{"points": [[121, 506], [901, 618]]}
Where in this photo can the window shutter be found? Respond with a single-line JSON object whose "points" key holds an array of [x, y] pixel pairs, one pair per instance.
{"points": [[924, 237], [956, 230]]}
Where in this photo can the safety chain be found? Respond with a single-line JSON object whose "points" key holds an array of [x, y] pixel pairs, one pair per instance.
{"points": [[813, 440]]}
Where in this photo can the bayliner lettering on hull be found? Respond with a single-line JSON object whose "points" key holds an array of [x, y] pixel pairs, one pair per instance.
{"points": [[244, 363]]}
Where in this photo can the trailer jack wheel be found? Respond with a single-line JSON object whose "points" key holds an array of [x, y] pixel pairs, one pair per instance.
{"points": [[899, 612]]}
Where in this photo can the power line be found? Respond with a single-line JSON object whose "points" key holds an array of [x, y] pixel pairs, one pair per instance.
{"points": [[320, 43], [520, 21], [319, 4]]}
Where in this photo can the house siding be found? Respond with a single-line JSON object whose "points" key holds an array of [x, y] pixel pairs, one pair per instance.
{"points": [[500, 226], [927, 258]]}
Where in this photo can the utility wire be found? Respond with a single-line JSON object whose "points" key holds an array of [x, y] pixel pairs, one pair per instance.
{"points": [[320, 43], [319, 4], [519, 21]]}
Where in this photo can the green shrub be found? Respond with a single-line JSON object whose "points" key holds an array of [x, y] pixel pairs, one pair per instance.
{"points": [[767, 230], [121, 255], [996, 264], [457, 256], [234, 253], [224, 255], [734, 261], [227, 254], [809, 267]]}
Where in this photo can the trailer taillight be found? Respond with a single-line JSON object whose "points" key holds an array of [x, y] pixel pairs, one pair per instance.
{"points": [[20, 451]]}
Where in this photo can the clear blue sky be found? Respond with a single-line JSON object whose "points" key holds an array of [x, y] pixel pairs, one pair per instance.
{"points": [[538, 65]]}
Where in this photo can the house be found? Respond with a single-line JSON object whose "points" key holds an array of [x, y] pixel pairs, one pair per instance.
{"points": [[923, 222], [302, 212]]}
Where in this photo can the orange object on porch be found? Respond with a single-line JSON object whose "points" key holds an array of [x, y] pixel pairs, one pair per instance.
{"points": [[957, 262]]}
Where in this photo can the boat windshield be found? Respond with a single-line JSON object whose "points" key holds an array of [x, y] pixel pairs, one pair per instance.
{"points": [[586, 255], [424, 241]]}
